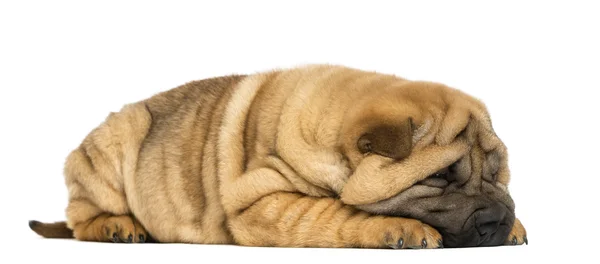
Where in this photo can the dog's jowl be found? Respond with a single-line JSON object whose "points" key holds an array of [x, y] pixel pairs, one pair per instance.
{"points": [[314, 156]]}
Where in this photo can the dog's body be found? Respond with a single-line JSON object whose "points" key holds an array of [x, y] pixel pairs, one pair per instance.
{"points": [[316, 156]]}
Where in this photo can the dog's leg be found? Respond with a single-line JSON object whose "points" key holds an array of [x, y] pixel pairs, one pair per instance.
{"points": [[518, 235], [95, 175], [294, 220]]}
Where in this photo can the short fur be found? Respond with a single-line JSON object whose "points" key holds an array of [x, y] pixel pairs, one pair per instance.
{"points": [[313, 156]]}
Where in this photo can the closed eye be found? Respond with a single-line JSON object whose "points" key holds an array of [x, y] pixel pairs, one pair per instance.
{"points": [[441, 174], [447, 173]]}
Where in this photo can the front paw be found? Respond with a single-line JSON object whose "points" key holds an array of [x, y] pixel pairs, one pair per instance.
{"points": [[397, 233], [518, 235]]}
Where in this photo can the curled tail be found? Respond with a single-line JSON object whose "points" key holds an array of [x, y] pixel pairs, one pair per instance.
{"points": [[53, 230]]}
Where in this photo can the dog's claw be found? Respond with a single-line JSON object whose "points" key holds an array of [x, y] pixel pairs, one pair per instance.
{"points": [[400, 243], [130, 238], [440, 243], [115, 238], [525, 240], [142, 239], [423, 243], [514, 240]]}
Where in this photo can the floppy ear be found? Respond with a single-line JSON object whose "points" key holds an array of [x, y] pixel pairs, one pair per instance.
{"points": [[388, 140]]}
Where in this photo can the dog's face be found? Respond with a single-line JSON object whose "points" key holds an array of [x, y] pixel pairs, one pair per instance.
{"points": [[426, 151]]}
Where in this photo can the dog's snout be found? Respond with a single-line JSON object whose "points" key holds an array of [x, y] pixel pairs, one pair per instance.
{"points": [[487, 226], [489, 219]]}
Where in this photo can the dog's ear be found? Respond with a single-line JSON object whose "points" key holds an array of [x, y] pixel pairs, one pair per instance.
{"points": [[388, 140]]}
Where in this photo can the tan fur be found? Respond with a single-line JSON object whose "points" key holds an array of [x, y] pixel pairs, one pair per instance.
{"points": [[271, 159]]}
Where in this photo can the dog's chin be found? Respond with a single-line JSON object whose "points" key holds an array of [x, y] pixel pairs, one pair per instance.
{"points": [[463, 220]]}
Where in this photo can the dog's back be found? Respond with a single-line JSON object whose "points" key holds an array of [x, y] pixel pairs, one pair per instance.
{"points": [[154, 159]]}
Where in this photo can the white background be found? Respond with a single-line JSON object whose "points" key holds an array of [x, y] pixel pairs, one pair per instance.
{"points": [[65, 65]]}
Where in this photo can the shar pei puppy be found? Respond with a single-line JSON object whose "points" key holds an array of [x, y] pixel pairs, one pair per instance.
{"points": [[312, 156]]}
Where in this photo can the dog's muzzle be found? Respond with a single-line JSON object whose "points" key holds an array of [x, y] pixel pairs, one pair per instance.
{"points": [[463, 220], [487, 226]]}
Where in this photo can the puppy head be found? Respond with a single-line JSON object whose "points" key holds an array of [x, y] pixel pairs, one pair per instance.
{"points": [[426, 151]]}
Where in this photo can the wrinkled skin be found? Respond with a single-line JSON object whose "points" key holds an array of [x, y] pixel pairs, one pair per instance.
{"points": [[465, 204], [463, 220]]}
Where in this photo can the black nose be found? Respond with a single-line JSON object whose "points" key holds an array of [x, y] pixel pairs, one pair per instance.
{"points": [[489, 219], [488, 226]]}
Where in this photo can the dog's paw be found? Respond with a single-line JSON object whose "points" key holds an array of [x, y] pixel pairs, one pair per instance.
{"points": [[124, 229], [397, 233], [518, 235], [111, 228]]}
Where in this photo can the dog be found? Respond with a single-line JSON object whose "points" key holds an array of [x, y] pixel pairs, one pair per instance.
{"points": [[310, 156]]}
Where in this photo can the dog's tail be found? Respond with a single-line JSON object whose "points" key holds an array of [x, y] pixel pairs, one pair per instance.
{"points": [[53, 230]]}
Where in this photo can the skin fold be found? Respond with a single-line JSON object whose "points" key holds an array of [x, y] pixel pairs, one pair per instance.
{"points": [[313, 156]]}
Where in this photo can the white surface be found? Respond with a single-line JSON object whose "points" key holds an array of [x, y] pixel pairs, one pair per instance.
{"points": [[65, 65]]}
